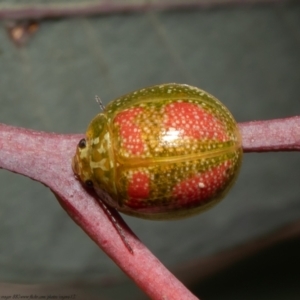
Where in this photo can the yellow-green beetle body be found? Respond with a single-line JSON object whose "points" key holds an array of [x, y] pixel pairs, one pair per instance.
{"points": [[163, 152]]}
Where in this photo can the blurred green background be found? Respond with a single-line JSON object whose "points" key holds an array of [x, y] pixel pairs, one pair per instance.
{"points": [[246, 56]]}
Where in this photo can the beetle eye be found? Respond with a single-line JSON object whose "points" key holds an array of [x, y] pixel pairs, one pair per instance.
{"points": [[89, 183], [82, 143]]}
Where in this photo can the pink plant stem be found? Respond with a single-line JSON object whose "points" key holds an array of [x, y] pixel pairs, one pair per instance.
{"points": [[272, 135], [47, 158], [88, 8]]}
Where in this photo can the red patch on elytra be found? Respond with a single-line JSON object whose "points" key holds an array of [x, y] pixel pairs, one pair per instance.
{"points": [[130, 133], [201, 187], [193, 121], [138, 189]]}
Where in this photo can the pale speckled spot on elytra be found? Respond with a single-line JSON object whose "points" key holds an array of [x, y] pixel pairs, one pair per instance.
{"points": [[102, 149], [162, 152], [96, 141], [99, 164]]}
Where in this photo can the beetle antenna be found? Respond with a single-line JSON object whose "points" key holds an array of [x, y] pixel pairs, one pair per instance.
{"points": [[99, 101], [116, 225]]}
